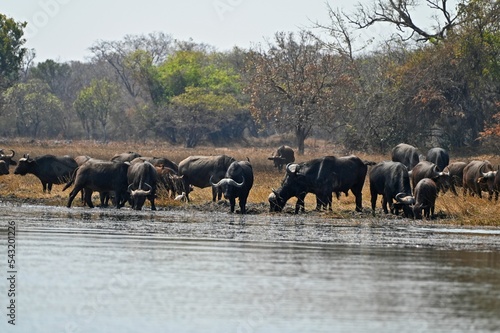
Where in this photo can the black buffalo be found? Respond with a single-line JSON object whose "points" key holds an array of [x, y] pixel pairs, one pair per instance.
{"points": [[49, 169], [142, 179], [492, 178], [237, 184], [200, 170], [4, 168], [455, 170], [392, 181], [125, 157], [425, 198], [100, 176], [104, 196], [406, 154], [426, 169], [8, 158], [282, 156], [320, 176], [438, 156], [478, 177]]}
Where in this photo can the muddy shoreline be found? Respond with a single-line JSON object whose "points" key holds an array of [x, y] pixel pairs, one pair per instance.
{"points": [[212, 221]]}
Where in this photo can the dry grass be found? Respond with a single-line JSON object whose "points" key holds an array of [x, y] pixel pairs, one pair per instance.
{"points": [[450, 209]]}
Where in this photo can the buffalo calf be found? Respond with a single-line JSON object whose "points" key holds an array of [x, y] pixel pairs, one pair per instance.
{"points": [[425, 198]]}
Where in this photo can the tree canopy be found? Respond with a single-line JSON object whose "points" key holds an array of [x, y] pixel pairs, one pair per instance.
{"points": [[426, 84]]}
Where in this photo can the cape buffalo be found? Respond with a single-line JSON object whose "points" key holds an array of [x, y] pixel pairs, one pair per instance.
{"points": [[320, 176], [199, 170], [425, 198], [49, 169], [282, 156], [471, 179], [237, 184], [438, 156], [104, 196], [8, 158], [492, 180], [391, 180], [142, 178], [455, 170], [4, 168], [426, 169], [406, 154], [100, 176]]}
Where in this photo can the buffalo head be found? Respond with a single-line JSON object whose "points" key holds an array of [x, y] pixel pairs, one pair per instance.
{"points": [[8, 158], [227, 185], [138, 196]]}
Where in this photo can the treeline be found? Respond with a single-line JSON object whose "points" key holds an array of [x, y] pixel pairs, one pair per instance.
{"points": [[428, 87]]}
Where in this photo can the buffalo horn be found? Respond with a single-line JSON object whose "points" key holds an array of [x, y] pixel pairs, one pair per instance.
{"points": [[489, 174], [291, 167], [227, 181], [140, 191], [407, 200]]}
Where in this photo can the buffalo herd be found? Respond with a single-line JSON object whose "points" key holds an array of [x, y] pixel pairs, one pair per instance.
{"points": [[408, 183]]}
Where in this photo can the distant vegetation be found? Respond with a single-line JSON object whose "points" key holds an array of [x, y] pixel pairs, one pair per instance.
{"points": [[427, 86]]}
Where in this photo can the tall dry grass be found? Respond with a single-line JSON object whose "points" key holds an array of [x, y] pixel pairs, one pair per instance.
{"points": [[449, 208]]}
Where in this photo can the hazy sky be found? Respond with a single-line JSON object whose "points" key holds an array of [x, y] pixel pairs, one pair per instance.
{"points": [[63, 30]]}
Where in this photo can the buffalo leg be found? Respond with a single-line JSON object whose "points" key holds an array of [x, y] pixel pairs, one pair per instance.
{"points": [[243, 202], [88, 198], [185, 182], [216, 193], [359, 200], [329, 200], [49, 187], [232, 203], [104, 198], [72, 195], [300, 203], [152, 201], [385, 202], [373, 201]]}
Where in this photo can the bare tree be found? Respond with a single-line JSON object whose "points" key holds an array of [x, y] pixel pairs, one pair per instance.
{"points": [[399, 13], [292, 84]]}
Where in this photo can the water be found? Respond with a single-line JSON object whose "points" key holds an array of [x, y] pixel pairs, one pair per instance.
{"points": [[82, 270]]}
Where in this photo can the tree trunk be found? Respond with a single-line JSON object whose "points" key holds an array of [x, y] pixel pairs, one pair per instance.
{"points": [[301, 138]]}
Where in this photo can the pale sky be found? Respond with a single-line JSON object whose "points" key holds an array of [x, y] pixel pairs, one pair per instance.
{"points": [[63, 30]]}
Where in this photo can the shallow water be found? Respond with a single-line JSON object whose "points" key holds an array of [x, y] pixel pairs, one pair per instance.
{"points": [[82, 270]]}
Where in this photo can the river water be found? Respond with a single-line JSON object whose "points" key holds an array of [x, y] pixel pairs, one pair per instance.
{"points": [[83, 270]]}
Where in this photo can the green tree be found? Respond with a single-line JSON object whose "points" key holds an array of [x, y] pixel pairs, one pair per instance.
{"points": [[94, 105], [35, 109], [200, 111], [11, 50], [201, 91]]}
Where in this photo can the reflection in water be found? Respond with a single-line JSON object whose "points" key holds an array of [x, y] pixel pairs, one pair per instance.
{"points": [[79, 282]]}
